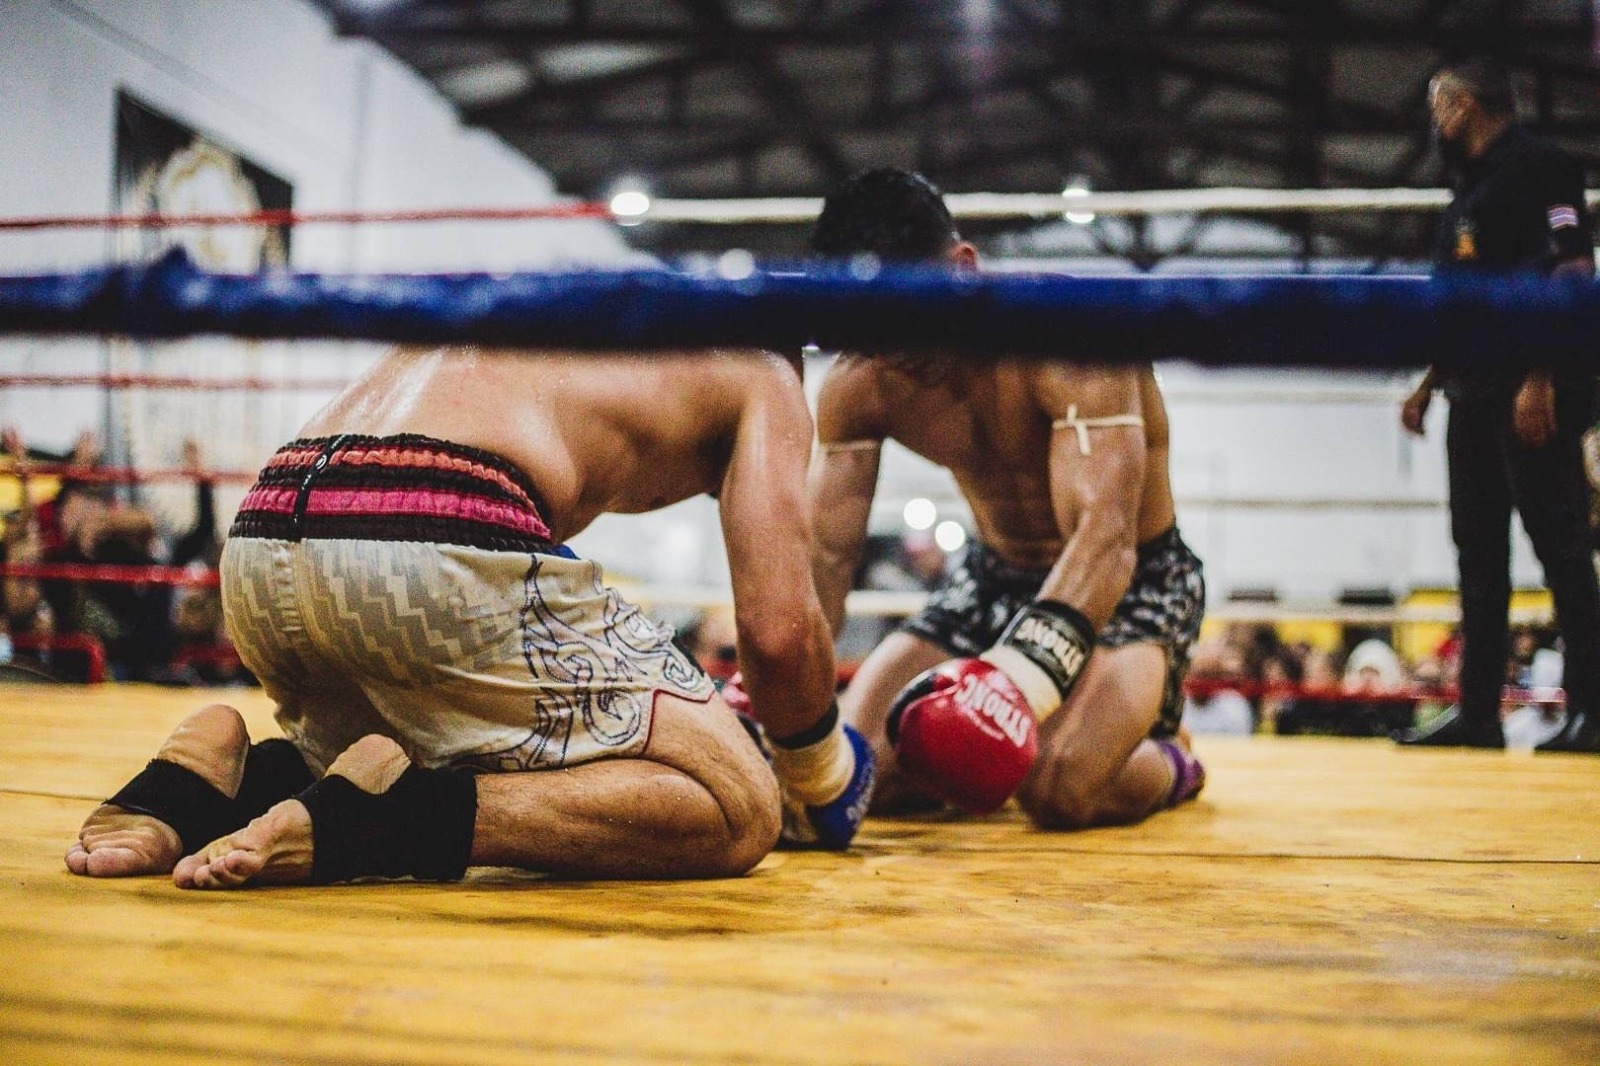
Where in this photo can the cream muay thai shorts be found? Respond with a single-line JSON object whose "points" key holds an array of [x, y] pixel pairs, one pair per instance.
{"points": [[409, 587]]}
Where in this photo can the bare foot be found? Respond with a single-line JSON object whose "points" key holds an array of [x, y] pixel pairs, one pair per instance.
{"points": [[276, 847], [119, 843]]}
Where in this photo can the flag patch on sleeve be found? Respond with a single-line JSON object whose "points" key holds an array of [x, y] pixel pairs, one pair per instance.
{"points": [[1562, 216]]}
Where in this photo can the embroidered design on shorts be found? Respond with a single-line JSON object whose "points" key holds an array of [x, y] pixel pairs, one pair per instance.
{"points": [[597, 681]]}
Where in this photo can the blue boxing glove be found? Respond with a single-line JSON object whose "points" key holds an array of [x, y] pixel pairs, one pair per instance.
{"points": [[831, 824], [825, 776]]}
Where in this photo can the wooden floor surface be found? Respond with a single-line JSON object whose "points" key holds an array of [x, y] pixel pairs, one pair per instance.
{"points": [[1323, 902]]}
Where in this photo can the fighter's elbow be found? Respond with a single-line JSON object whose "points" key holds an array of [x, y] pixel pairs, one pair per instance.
{"points": [[778, 636]]}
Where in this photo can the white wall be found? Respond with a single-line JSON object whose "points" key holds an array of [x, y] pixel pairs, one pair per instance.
{"points": [[345, 124]]}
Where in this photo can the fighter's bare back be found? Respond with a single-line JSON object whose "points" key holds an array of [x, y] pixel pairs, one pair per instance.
{"points": [[595, 433]]}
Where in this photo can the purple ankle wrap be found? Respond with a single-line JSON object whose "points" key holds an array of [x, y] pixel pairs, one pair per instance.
{"points": [[1188, 776]]}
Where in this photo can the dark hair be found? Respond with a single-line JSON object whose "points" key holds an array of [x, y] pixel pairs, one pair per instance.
{"points": [[1488, 81], [892, 213]]}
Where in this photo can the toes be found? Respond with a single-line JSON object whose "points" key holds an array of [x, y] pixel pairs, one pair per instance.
{"points": [[115, 861], [228, 869], [237, 867], [183, 874], [118, 843], [198, 871]]}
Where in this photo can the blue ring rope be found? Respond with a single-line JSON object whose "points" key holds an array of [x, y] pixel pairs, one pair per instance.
{"points": [[1334, 321]]}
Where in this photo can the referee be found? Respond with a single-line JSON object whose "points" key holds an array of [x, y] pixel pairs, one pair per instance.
{"points": [[1515, 430]]}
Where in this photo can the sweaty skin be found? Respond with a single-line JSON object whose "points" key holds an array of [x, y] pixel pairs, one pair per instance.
{"points": [[631, 434], [595, 434], [1031, 490], [1003, 432]]}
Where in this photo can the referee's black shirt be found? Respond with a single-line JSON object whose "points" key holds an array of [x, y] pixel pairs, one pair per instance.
{"points": [[1519, 207]]}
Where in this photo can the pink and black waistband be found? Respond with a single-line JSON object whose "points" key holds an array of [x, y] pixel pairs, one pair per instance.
{"points": [[402, 488]]}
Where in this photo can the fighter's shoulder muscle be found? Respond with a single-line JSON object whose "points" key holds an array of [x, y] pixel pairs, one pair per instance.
{"points": [[762, 385], [851, 404], [1093, 390]]}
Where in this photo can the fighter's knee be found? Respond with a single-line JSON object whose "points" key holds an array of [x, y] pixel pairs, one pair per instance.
{"points": [[1057, 800], [1057, 808], [753, 817], [755, 838]]}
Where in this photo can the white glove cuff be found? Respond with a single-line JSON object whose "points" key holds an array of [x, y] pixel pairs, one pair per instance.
{"points": [[817, 773], [1037, 686]]}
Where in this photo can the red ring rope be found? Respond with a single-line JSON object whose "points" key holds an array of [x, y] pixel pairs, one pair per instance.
{"points": [[123, 475], [1202, 687], [111, 573], [160, 381], [285, 217], [1196, 686]]}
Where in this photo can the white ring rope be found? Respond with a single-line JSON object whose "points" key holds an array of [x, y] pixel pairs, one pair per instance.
{"points": [[990, 205], [876, 604]]}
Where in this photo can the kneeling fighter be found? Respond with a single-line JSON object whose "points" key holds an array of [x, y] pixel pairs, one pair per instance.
{"points": [[1072, 612], [457, 688]]}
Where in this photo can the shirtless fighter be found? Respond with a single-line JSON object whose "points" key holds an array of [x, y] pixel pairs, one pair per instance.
{"points": [[457, 688], [1070, 616]]}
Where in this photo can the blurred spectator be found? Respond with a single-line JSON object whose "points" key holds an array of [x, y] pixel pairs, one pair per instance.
{"points": [[132, 619], [76, 503], [912, 563], [1320, 671], [1218, 676], [1525, 642], [1375, 702], [1281, 676], [1431, 681], [1259, 643], [22, 605], [713, 642], [203, 653], [1315, 708], [1536, 721]]}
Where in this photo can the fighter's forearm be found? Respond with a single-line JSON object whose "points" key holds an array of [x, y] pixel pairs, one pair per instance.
{"points": [[1094, 569], [1097, 508], [788, 672], [832, 571], [841, 490]]}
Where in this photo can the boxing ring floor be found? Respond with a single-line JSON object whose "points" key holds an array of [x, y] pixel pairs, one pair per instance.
{"points": [[1322, 900]]}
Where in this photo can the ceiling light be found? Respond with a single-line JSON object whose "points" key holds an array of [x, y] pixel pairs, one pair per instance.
{"points": [[920, 513], [736, 264], [630, 206], [1076, 191], [949, 535]]}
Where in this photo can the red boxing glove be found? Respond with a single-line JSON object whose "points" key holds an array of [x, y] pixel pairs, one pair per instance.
{"points": [[965, 730]]}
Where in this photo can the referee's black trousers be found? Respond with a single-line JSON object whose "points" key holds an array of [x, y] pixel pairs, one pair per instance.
{"points": [[1491, 473]]}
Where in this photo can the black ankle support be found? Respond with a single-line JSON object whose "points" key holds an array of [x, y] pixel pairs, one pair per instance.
{"points": [[200, 812], [197, 810], [421, 827], [274, 770]]}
